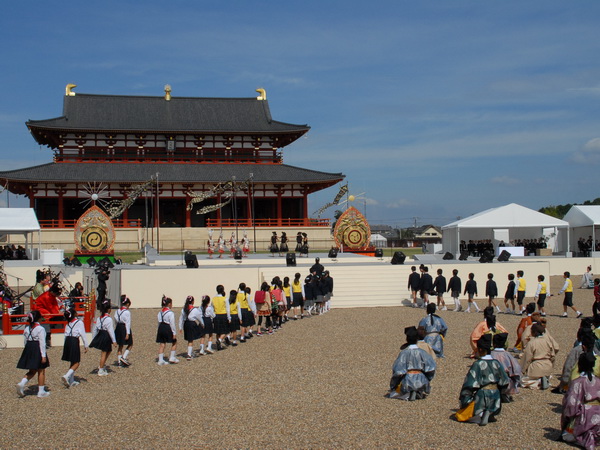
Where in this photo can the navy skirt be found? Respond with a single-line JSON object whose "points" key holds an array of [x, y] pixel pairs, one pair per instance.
{"points": [[191, 330], [31, 358], [102, 341], [297, 299], [208, 326], [248, 318], [71, 350], [234, 325], [164, 334], [121, 333], [221, 325]]}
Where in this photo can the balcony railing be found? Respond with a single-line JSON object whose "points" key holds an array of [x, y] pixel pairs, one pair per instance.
{"points": [[117, 223], [215, 223]]}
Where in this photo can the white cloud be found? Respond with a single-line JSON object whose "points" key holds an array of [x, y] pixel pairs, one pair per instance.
{"points": [[589, 153], [399, 203], [509, 181]]}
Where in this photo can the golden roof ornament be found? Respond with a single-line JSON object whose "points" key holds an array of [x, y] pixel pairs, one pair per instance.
{"points": [[167, 92], [69, 90], [263, 94]]}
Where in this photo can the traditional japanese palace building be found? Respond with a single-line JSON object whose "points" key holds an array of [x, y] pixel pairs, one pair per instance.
{"points": [[192, 144]]}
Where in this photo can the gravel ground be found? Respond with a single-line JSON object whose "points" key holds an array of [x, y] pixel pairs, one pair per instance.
{"points": [[319, 382]]}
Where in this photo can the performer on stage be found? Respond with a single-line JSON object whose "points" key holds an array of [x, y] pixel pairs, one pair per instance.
{"points": [[245, 245], [283, 248], [232, 244], [299, 243], [274, 248], [210, 244], [221, 244]]}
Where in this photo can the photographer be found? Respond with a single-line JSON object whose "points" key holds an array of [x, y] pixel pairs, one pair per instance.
{"points": [[103, 274]]}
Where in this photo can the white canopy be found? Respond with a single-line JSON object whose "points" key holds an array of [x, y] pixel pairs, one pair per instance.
{"points": [[504, 223], [20, 221], [378, 240], [583, 220]]}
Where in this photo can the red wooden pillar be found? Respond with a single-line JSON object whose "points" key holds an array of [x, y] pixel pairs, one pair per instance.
{"points": [[219, 211], [61, 207], [188, 213], [279, 209], [125, 216], [249, 207], [305, 206]]}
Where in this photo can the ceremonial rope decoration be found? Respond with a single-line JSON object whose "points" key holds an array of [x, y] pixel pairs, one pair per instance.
{"points": [[336, 200], [115, 208], [227, 190]]}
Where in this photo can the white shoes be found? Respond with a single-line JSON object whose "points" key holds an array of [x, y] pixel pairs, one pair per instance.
{"points": [[444, 309], [173, 360], [74, 383], [65, 381], [162, 362], [21, 390], [43, 394], [102, 372]]}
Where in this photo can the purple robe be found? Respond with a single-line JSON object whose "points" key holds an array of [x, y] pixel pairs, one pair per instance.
{"points": [[512, 368], [582, 403]]}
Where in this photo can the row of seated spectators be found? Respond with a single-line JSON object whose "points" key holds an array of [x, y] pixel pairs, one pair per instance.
{"points": [[11, 252], [586, 246]]}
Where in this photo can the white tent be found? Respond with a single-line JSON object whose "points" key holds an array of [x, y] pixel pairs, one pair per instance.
{"points": [[378, 240], [583, 220], [21, 221], [506, 223]]}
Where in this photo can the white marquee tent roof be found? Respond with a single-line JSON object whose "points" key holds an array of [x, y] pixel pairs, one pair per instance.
{"points": [[583, 215], [508, 216], [18, 220]]}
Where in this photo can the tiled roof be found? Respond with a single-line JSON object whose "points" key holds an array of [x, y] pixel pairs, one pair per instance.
{"points": [[152, 114], [169, 172]]}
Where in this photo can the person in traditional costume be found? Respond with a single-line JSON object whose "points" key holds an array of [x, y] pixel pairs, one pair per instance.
{"points": [[480, 399], [283, 248], [412, 371], [483, 327], [524, 323], [510, 365], [538, 359], [536, 317], [232, 245], [422, 344], [34, 358], [305, 246], [580, 419], [210, 245], [245, 245], [274, 248], [299, 243], [71, 351], [435, 330], [221, 244], [585, 342]]}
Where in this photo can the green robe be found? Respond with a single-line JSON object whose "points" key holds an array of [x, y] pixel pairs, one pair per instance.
{"points": [[484, 372]]}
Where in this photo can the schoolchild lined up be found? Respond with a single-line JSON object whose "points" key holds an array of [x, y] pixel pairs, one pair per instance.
{"points": [[34, 358], [222, 316], [235, 318], [208, 314], [298, 296], [104, 336], [123, 333], [541, 293], [471, 292], [439, 286], [491, 291], [191, 324], [167, 333], [248, 321], [510, 294], [454, 287], [74, 329]]}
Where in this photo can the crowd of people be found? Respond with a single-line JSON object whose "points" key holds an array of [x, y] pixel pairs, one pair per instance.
{"points": [[224, 320], [480, 247], [587, 246], [500, 370], [12, 252]]}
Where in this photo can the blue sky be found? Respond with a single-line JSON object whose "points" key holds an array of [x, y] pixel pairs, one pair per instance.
{"points": [[434, 109]]}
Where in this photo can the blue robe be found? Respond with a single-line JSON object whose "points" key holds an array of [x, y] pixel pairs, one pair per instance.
{"points": [[413, 370], [483, 374], [435, 328]]}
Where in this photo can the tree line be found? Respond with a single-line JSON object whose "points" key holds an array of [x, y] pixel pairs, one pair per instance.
{"points": [[559, 211]]}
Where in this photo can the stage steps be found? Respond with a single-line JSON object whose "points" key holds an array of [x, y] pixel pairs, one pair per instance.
{"points": [[359, 286]]}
